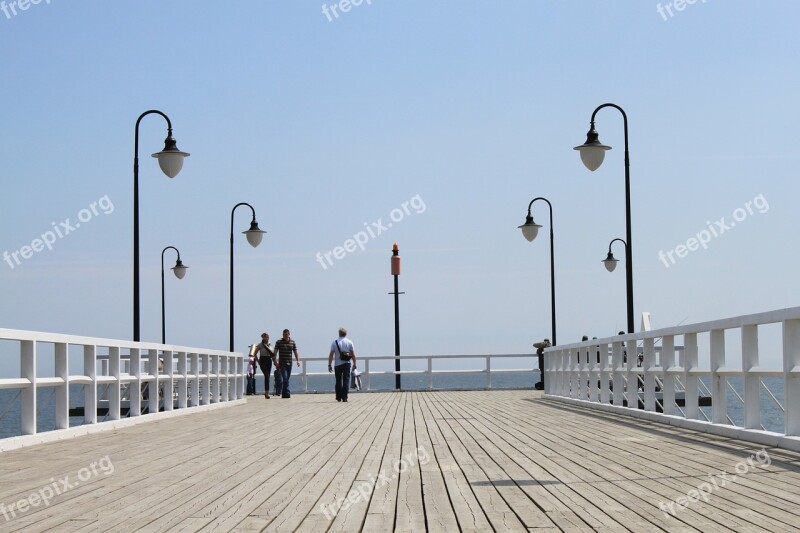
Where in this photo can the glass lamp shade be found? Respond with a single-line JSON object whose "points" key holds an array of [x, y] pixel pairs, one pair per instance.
{"points": [[254, 234], [530, 229], [170, 161], [592, 155], [179, 269], [610, 262]]}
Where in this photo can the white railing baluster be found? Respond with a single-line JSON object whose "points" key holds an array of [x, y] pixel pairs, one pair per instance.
{"points": [[668, 365], [791, 379], [617, 364], [632, 385], [719, 396], [183, 382], [752, 403], [28, 397], [115, 388], [603, 374], [90, 389], [62, 390], [692, 388], [135, 387], [488, 372], [648, 365]]}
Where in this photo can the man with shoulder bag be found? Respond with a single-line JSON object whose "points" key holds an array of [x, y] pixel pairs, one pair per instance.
{"points": [[345, 354]]}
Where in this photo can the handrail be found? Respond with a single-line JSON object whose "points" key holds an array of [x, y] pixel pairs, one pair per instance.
{"points": [[116, 377], [573, 376]]}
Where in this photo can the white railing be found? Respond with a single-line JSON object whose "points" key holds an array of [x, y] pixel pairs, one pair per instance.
{"points": [[604, 373], [117, 377], [363, 364]]}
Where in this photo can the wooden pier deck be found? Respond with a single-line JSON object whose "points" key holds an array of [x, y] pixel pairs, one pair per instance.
{"points": [[423, 461]]}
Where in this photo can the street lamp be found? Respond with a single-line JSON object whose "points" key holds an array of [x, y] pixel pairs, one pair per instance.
{"points": [[610, 262], [170, 159], [254, 236], [179, 270], [530, 230], [592, 154]]}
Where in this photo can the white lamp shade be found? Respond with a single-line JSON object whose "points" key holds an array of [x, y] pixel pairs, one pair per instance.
{"points": [[592, 155], [171, 161], [254, 236], [530, 230], [179, 270], [610, 263]]}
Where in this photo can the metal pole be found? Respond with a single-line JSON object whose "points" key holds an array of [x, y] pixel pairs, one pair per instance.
{"points": [[395, 268], [230, 344], [629, 247], [136, 322]]}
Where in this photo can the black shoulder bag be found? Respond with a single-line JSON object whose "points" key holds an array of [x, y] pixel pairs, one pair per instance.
{"points": [[346, 356]]}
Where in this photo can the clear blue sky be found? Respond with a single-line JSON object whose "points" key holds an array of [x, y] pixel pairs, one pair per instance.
{"points": [[470, 107]]}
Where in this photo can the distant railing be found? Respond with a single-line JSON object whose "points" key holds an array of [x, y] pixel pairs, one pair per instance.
{"points": [[119, 378], [604, 373], [363, 364]]}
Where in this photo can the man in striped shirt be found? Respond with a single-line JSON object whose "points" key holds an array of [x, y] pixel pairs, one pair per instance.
{"points": [[284, 349]]}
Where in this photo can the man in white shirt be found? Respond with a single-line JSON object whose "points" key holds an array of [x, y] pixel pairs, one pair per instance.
{"points": [[345, 354]]}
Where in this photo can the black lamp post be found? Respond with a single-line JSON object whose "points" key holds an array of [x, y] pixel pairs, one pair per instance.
{"points": [[179, 270], [592, 154], [530, 230], [170, 159], [254, 236]]}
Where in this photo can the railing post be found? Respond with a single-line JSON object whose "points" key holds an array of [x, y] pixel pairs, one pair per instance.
{"points": [[430, 373], [194, 370], [602, 374], [183, 383], [305, 375], [62, 391], [648, 366], [791, 375], [719, 396], [752, 404], [168, 386], [135, 387], [115, 389], [617, 369], [152, 388], [488, 371], [223, 380], [205, 381], [215, 379], [692, 389], [28, 395], [668, 363], [566, 373], [366, 371], [90, 390], [632, 387]]}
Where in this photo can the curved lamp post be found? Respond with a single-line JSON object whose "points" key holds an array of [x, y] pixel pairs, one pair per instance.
{"points": [[530, 230], [254, 236], [170, 159], [179, 270], [592, 154], [610, 262]]}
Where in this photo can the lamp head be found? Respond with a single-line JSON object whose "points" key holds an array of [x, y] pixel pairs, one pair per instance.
{"points": [[592, 151], [179, 269], [170, 159], [530, 229], [610, 262], [254, 234]]}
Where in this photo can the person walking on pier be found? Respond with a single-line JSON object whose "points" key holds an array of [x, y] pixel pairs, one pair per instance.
{"points": [[265, 359], [345, 356], [251, 375], [284, 348]]}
